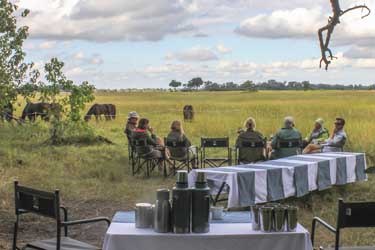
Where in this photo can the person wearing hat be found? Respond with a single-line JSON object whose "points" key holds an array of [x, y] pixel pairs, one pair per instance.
{"points": [[335, 141], [318, 135], [131, 124], [287, 133], [249, 134]]}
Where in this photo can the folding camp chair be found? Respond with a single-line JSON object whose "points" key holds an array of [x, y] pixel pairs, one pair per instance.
{"points": [[145, 162], [181, 155], [350, 215], [286, 148], [47, 204], [215, 143], [249, 151]]}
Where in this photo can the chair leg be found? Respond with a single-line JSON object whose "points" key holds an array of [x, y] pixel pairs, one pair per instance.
{"points": [[337, 241], [15, 232]]}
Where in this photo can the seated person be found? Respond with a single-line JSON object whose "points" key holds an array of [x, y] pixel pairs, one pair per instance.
{"points": [[287, 133], [249, 135], [177, 134], [153, 147], [318, 135], [334, 143], [131, 124]]}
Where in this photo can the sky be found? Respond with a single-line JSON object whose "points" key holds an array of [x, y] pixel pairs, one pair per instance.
{"points": [[145, 44]]}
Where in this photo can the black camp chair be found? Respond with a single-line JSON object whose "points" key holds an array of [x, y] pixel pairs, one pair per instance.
{"points": [[286, 148], [47, 204], [350, 215], [181, 155], [145, 162], [215, 143], [249, 151]]}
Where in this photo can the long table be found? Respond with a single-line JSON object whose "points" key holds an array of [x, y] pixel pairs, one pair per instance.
{"points": [[279, 179], [239, 236]]}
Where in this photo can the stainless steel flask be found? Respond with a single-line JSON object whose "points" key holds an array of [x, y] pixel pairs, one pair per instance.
{"points": [[143, 215], [200, 205], [181, 204], [162, 212]]}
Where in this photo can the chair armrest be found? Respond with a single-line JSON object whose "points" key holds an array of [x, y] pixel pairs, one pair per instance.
{"points": [[86, 221], [324, 224]]}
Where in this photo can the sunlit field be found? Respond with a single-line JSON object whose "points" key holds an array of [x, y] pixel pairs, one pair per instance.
{"points": [[98, 179]]}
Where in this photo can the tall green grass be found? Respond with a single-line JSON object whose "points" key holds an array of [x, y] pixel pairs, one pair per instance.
{"points": [[102, 173]]}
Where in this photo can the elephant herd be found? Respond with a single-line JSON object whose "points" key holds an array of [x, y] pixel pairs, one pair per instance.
{"points": [[44, 111]]}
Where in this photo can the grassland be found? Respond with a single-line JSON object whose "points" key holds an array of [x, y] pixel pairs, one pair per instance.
{"points": [[96, 179]]}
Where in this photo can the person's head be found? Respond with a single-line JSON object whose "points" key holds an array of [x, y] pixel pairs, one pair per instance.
{"points": [[250, 123], [288, 122], [133, 117], [143, 123], [339, 123], [176, 126], [319, 123]]}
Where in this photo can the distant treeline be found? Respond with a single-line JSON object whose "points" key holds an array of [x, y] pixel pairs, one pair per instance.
{"points": [[197, 84]]}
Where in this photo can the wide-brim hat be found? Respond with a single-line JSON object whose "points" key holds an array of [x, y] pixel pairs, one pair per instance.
{"points": [[319, 121], [133, 114]]}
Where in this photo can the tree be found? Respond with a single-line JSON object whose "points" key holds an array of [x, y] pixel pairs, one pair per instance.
{"points": [[195, 83], [248, 85], [15, 74], [175, 84], [306, 85], [68, 105]]}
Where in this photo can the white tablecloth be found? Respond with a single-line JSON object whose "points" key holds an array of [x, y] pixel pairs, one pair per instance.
{"points": [[124, 236], [274, 180]]}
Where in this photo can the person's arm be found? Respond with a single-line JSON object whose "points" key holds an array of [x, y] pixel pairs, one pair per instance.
{"points": [[274, 140], [187, 141], [337, 141], [152, 139]]}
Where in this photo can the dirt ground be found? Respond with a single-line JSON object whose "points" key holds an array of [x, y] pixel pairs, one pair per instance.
{"points": [[34, 228]]}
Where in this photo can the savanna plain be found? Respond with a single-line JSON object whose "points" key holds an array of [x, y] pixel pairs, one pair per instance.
{"points": [[96, 180]]}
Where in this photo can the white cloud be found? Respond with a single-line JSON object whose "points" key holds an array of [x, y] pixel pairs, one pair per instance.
{"points": [[195, 54], [222, 49], [81, 57], [108, 20], [47, 45]]}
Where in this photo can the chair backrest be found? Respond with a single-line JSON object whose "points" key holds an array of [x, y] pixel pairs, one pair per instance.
{"points": [[253, 144], [36, 201], [249, 151], [174, 143], [294, 143], [356, 214], [215, 142]]}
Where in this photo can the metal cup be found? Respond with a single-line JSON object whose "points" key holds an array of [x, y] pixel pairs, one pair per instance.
{"points": [[279, 219], [255, 210], [143, 215], [266, 220], [292, 218]]}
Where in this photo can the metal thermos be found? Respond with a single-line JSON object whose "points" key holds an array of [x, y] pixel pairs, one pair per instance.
{"points": [[162, 212], [266, 220], [200, 205], [255, 210], [181, 204], [143, 215], [292, 218]]}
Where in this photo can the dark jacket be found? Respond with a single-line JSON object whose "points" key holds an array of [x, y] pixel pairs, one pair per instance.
{"points": [[142, 135], [129, 128], [285, 134], [246, 154], [182, 151]]}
